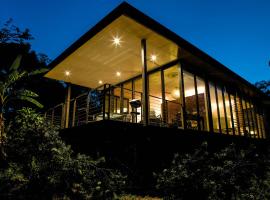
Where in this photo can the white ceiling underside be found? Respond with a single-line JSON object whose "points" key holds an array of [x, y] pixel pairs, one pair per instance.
{"points": [[99, 59]]}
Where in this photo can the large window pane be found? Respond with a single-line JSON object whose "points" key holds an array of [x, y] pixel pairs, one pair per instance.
{"points": [[221, 111], [240, 115], [228, 113], [155, 98], [172, 96], [234, 115], [203, 114], [138, 95], [190, 101], [127, 87], [214, 107]]}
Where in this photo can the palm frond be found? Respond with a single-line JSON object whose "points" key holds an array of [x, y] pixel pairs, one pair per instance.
{"points": [[38, 71], [13, 78], [31, 100], [16, 63], [25, 92]]}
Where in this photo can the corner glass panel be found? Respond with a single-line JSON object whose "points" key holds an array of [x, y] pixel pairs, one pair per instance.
{"points": [[190, 101], [173, 110], [214, 107]]}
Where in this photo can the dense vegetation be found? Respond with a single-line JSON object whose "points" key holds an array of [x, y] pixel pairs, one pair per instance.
{"points": [[41, 166], [230, 173]]}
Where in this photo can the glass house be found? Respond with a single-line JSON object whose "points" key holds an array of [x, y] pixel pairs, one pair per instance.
{"points": [[138, 71]]}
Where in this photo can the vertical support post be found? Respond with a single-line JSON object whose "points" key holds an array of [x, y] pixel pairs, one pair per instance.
{"points": [[237, 114], [134, 117], [104, 102], [231, 111], [209, 108], [225, 111], [197, 104], [121, 99], [67, 107], [218, 113], [144, 83], [182, 96], [164, 103]]}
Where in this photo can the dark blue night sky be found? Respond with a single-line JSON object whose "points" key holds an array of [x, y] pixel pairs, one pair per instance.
{"points": [[235, 32]]}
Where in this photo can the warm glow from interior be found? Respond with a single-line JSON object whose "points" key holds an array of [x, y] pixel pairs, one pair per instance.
{"points": [[100, 82], [67, 73], [116, 41], [118, 73], [176, 93], [191, 92]]}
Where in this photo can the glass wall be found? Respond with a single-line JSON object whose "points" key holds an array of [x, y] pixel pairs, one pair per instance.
{"points": [[191, 115], [173, 108], [202, 101], [155, 98], [221, 109], [214, 108], [138, 95], [231, 113]]}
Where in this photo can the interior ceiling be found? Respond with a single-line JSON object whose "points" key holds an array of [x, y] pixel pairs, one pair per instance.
{"points": [[99, 59]]}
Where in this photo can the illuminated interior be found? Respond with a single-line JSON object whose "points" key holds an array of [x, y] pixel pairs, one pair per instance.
{"points": [[177, 97]]}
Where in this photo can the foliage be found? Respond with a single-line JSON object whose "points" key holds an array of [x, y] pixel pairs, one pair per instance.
{"points": [[227, 174], [16, 41], [13, 34], [264, 86], [42, 166]]}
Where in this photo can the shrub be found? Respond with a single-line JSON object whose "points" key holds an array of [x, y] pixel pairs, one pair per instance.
{"points": [[41, 166], [226, 174]]}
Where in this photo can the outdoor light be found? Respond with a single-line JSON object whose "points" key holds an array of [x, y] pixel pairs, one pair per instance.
{"points": [[153, 57], [252, 132], [67, 73], [100, 82], [116, 41], [118, 74]]}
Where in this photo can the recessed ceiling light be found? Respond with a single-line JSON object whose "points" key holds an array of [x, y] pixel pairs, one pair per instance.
{"points": [[67, 73], [100, 82], [153, 57], [118, 73], [116, 41]]}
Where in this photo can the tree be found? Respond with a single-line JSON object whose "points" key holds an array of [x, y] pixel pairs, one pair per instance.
{"points": [[11, 91], [264, 86]]}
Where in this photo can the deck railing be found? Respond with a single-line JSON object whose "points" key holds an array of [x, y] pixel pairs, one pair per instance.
{"points": [[113, 103]]}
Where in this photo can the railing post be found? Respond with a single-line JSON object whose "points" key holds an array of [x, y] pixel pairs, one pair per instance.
{"points": [[63, 115], [104, 102], [74, 112], [87, 108], [67, 107]]}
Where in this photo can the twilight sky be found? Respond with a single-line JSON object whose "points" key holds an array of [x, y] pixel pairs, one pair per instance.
{"points": [[234, 32]]}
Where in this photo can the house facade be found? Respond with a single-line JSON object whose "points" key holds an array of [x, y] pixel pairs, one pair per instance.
{"points": [[139, 72]]}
